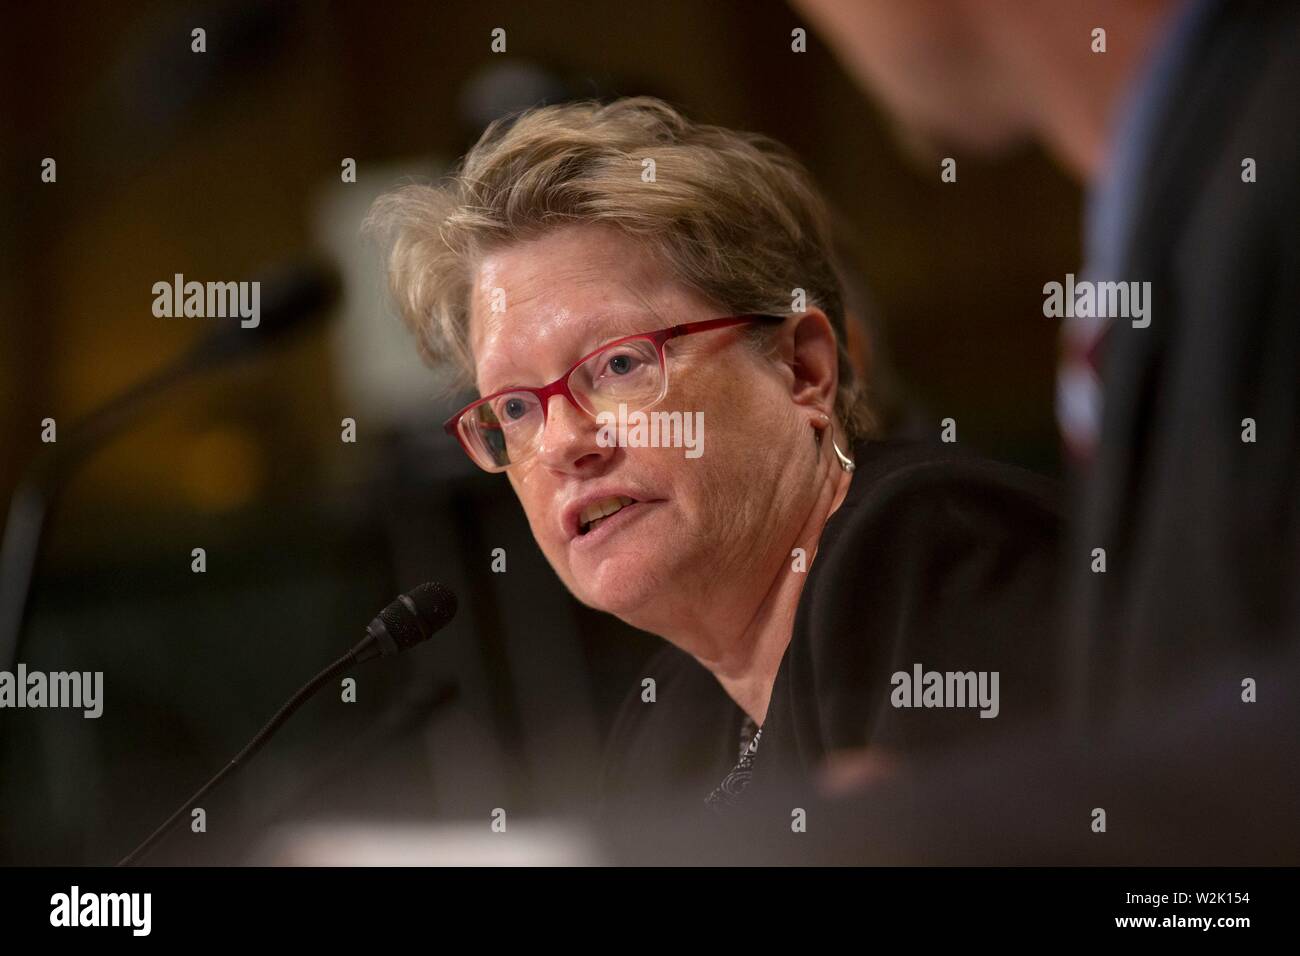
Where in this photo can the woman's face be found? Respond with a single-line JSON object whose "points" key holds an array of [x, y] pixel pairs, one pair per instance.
{"points": [[723, 518]]}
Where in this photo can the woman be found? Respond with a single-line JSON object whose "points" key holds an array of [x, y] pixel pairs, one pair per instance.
{"points": [[591, 264]]}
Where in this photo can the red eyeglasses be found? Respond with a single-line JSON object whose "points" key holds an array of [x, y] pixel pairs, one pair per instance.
{"points": [[505, 428]]}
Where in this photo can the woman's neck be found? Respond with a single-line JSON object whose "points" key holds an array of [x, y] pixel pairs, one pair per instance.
{"points": [[748, 667]]}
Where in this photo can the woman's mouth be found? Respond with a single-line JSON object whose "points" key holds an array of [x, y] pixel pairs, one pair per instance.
{"points": [[596, 512], [608, 516]]}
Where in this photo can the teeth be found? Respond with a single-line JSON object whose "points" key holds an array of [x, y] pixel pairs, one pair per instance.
{"points": [[597, 510]]}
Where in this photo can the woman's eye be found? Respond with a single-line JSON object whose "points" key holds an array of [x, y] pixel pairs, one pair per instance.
{"points": [[620, 364], [514, 408]]}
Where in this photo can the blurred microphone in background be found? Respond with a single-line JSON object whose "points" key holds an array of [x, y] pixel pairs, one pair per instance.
{"points": [[294, 298]]}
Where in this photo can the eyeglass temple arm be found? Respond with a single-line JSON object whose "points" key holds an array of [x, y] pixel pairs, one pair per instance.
{"points": [[688, 328]]}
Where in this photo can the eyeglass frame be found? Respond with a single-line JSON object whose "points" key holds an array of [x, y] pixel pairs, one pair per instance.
{"points": [[560, 386]]}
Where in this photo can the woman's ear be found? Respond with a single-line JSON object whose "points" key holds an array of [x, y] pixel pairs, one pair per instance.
{"points": [[812, 354]]}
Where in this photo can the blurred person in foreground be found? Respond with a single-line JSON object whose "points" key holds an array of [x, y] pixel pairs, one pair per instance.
{"points": [[793, 564], [1185, 426], [1196, 511]]}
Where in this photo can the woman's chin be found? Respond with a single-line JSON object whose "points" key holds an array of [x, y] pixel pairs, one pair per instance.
{"points": [[617, 584]]}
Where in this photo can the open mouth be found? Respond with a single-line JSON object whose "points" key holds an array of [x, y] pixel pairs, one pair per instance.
{"points": [[598, 511]]}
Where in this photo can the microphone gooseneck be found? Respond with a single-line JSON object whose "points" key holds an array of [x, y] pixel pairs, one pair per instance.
{"points": [[409, 620]]}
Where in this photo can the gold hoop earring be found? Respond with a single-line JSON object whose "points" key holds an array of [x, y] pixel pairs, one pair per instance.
{"points": [[846, 462]]}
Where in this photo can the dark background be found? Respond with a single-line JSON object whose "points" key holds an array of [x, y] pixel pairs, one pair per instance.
{"points": [[219, 165]]}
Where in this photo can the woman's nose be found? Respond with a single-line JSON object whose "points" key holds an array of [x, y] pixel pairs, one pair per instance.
{"points": [[569, 438]]}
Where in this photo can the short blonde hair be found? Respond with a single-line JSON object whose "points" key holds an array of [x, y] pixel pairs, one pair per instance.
{"points": [[733, 215]]}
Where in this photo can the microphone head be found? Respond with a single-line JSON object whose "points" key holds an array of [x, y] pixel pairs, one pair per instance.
{"points": [[296, 296], [413, 618], [293, 298], [434, 603]]}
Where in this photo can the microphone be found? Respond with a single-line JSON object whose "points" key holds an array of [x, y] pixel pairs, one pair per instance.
{"points": [[293, 298], [411, 619]]}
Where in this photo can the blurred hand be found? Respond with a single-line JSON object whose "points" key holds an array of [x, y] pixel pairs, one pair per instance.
{"points": [[851, 771]]}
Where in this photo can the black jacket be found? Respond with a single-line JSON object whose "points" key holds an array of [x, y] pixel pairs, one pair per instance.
{"points": [[933, 558]]}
